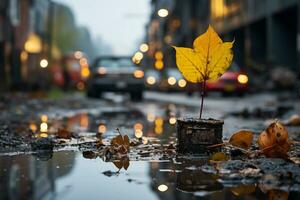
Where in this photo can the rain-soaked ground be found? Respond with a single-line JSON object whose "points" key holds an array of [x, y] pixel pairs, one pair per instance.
{"points": [[51, 149]]}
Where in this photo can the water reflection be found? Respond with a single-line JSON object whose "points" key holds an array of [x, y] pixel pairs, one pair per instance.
{"points": [[69, 175], [28, 177]]}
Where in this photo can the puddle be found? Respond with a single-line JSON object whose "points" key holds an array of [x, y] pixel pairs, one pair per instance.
{"points": [[147, 173], [68, 175]]}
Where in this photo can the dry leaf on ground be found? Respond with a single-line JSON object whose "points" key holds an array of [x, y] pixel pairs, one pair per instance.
{"points": [[242, 139], [274, 141], [218, 157], [294, 120]]}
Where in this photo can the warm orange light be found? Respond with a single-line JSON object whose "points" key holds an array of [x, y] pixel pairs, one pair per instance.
{"points": [[171, 80], [44, 118], [138, 55], [33, 44], [168, 39], [144, 48], [80, 85], [172, 120], [159, 64], [44, 127], [138, 133], [33, 127], [158, 130], [159, 121], [83, 62], [43, 135], [182, 83], [85, 72], [101, 128], [242, 78], [158, 55], [151, 80], [150, 117], [84, 121], [138, 73], [78, 55], [138, 126], [24, 56]]}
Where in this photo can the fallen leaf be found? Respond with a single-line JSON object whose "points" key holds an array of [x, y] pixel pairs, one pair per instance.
{"points": [[208, 60], [219, 156], [294, 120], [89, 154], [118, 140], [122, 163], [243, 189], [126, 140], [274, 141], [64, 133], [120, 144], [242, 139], [118, 164], [278, 195]]}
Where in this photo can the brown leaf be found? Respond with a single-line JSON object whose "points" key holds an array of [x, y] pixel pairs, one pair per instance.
{"points": [[294, 120], [274, 141], [118, 140], [89, 154], [219, 156], [126, 141], [126, 163], [243, 189], [278, 195], [118, 164], [242, 139], [64, 133]]}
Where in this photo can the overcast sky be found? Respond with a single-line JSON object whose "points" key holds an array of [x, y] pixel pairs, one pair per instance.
{"points": [[120, 23]]}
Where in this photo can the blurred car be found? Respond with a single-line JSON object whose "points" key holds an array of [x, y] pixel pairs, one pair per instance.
{"points": [[152, 78], [115, 74], [234, 80], [172, 81]]}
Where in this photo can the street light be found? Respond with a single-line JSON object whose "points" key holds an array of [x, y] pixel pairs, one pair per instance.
{"points": [[44, 63], [163, 12], [144, 48]]}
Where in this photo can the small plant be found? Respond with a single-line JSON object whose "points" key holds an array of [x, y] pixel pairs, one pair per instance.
{"points": [[208, 60]]}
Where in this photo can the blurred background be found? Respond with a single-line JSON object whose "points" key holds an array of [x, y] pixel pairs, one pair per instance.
{"points": [[46, 44]]}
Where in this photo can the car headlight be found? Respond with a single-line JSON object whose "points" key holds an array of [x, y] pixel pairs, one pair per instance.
{"points": [[138, 73], [151, 80], [242, 78], [101, 70]]}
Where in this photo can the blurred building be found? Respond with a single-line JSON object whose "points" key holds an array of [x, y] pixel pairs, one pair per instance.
{"points": [[23, 35], [266, 32]]}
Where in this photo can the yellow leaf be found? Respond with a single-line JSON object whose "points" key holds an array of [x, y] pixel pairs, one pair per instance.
{"points": [[242, 139], [208, 60]]}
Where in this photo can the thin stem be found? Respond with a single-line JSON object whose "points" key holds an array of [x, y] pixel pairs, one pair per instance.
{"points": [[202, 97]]}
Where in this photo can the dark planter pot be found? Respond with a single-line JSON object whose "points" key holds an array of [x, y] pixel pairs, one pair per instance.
{"points": [[194, 135]]}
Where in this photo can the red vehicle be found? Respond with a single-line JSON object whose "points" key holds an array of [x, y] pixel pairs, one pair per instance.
{"points": [[234, 80]]}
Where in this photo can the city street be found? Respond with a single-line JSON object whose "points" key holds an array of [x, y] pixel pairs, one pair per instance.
{"points": [[149, 99], [73, 123]]}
